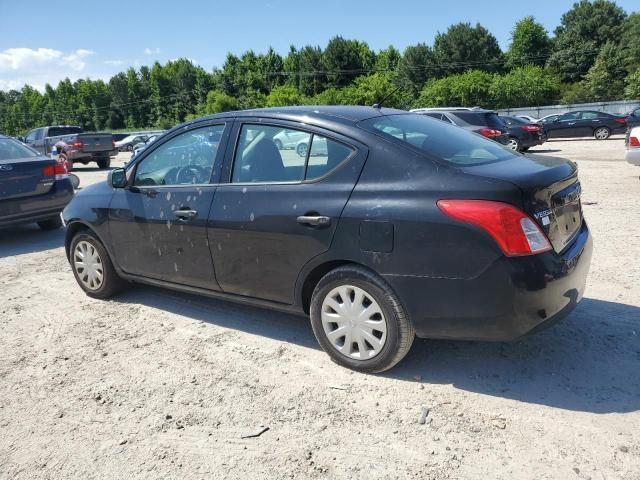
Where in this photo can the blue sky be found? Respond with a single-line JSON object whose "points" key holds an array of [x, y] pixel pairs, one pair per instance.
{"points": [[48, 40]]}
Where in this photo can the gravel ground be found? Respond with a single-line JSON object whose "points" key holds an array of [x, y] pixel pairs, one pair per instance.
{"points": [[156, 384]]}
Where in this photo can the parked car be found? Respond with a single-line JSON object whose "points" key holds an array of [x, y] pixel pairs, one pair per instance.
{"points": [[632, 146], [33, 187], [523, 134], [548, 118], [434, 232], [633, 118], [287, 139], [585, 123], [119, 136], [528, 118], [74, 144], [127, 143], [477, 120], [139, 147]]}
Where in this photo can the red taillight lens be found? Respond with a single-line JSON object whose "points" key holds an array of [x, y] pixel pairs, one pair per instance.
{"points": [[513, 230], [489, 132], [59, 170], [620, 120], [634, 142], [531, 128], [77, 144]]}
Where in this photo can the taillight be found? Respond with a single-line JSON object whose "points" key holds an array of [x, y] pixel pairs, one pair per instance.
{"points": [[620, 120], [514, 231], [634, 142], [489, 132], [531, 128], [59, 171], [77, 144], [113, 144]]}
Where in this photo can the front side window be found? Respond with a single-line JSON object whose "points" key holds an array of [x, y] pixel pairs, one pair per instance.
{"points": [[438, 139], [187, 158], [569, 116], [31, 136]]}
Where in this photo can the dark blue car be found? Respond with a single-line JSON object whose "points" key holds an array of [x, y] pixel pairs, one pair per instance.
{"points": [[33, 188], [392, 225]]}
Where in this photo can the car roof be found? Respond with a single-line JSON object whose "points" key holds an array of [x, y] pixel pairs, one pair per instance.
{"points": [[452, 109], [345, 113]]}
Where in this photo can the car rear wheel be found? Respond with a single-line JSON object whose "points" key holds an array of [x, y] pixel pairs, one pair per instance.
{"points": [[92, 266], [601, 133], [514, 144], [301, 149], [52, 223], [104, 163], [359, 321], [129, 148]]}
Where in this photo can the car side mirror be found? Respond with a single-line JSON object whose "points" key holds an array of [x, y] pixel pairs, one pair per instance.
{"points": [[118, 178]]}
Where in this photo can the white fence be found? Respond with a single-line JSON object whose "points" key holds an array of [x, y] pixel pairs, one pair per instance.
{"points": [[622, 106]]}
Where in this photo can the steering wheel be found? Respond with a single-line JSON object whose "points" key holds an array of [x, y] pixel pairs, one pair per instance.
{"points": [[191, 174]]}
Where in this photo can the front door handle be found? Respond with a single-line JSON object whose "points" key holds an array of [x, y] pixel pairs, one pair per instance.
{"points": [[571, 123], [314, 221], [185, 214]]}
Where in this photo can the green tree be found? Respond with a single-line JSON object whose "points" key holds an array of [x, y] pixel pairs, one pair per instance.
{"points": [[344, 61], [632, 90], [630, 42], [371, 89], [285, 95], [605, 79], [530, 44], [583, 30], [525, 86], [463, 47], [468, 89], [388, 59], [416, 66], [218, 102]]}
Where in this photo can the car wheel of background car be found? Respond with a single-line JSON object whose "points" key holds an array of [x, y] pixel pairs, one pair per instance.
{"points": [[359, 321], [301, 149], [525, 149], [278, 144], [52, 223], [104, 163], [75, 181], [601, 133], [92, 266], [129, 148], [514, 144]]}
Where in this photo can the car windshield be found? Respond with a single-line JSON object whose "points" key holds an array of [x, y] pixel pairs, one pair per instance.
{"points": [[438, 139], [11, 149], [58, 131]]}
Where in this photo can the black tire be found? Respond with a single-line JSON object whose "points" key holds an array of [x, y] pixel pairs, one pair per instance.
{"points": [[525, 149], [514, 144], [301, 149], [103, 163], [52, 223], [111, 281], [129, 148], [400, 332], [601, 133]]}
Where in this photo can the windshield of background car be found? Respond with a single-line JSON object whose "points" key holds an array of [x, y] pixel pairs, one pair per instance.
{"points": [[481, 119], [13, 150], [438, 139]]}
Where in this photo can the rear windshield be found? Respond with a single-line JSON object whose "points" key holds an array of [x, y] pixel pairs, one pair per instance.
{"points": [[441, 140], [481, 119], [11, 149], [57, 131]]}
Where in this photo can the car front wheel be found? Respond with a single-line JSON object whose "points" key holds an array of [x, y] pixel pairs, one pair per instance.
{"points": [[359, 321], [92, 266], [514, 144]]}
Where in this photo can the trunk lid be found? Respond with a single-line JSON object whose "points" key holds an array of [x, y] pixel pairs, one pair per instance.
{"points": [[24, 177], [550, 192], [96, 142]]}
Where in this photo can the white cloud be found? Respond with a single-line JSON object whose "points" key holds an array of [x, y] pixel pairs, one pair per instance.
{"points": [[151, 51], [36, 67], [115, 63]]}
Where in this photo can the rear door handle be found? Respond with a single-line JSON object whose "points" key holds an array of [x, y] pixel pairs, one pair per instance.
{"points": [[314, 221], [185, 214]]}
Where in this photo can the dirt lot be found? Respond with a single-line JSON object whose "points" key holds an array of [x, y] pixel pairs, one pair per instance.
{"points": [[156, 384]]}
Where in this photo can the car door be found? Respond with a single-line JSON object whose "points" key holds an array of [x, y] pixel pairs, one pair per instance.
{"points": [[158, 224], [565, 126], [279, 209], [589, 121]]}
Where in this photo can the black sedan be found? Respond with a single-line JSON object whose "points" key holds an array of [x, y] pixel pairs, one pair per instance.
{"points": [[523, 134], [599, 125], [33, 188], [392, 225]]}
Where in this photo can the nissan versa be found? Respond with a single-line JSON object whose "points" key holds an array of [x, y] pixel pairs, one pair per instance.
{"points": [[391, 225]]}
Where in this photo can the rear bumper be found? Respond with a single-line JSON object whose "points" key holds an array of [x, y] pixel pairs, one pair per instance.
{"points": [[513, 297], [40, 207], [632, 156]]}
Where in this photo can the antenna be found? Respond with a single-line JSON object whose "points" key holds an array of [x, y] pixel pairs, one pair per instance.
{"points": [[379, 103]]}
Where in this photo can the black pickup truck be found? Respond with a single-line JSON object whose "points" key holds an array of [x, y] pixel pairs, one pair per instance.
{"points": [[73, 144]]}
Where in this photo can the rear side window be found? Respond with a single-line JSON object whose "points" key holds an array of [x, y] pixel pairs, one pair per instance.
{"points": [[438, 139], [13, 150], [324, 156], [57, 131], [590, 115]]}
